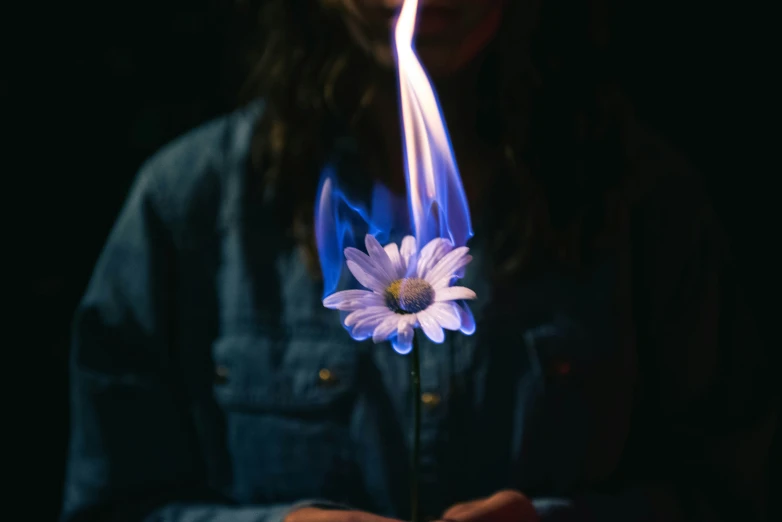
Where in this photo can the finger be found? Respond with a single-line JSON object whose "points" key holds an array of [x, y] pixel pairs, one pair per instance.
{"points": [[354, 516], [505, 506], [459, 509], [334, 515]]}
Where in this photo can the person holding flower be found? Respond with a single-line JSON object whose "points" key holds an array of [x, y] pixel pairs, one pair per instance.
{"points": [[613, 371]]}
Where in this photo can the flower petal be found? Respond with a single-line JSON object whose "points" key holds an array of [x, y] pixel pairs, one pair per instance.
{"points": [[452, 293], [449, 265], [467, 319], [365, 327], [445, 315], [430, 326], [403, 343], [366, 313], [367, 265], [379, 258], [366, 280], [385, 329], [431, 254], [400, 348], [443, 282], [407, 249], [336, 299], [372, 299], [359, 335], [392, 250], [412, 266]]}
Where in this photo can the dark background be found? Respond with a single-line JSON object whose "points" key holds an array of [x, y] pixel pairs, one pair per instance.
{"points": [[96, 88]]}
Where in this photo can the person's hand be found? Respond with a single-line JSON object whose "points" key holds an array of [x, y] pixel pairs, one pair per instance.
{"points": [[504, 506], [309, 514]]}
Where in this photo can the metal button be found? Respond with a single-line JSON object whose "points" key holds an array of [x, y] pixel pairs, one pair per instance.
{"points": [[430, 400], [221, 375], [326, 376]]}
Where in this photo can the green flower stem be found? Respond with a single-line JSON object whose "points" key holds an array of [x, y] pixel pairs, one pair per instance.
{"points": [[415, 374]]}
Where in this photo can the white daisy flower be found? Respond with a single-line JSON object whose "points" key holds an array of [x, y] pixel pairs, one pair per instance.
{"points": [[405, 290]]}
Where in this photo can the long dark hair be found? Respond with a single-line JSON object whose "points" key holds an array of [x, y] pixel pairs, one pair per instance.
{"points": [[547, 100]]}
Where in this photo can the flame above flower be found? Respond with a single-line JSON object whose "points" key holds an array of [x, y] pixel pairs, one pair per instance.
{"points": [[438, 210], [436, 197]]}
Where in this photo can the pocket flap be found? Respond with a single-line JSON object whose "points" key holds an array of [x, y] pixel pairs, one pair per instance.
{"points": [[296, 375]]}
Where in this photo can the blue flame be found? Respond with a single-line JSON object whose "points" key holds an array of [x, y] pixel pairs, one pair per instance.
{"points": [[343, 218], [443, 212], [436, 199], [436, 202]]}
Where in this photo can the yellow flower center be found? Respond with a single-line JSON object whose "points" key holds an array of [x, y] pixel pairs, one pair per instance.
{"points": [[409, 295]]}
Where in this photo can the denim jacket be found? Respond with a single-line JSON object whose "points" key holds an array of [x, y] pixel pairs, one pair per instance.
{"points": [[209, 383]]}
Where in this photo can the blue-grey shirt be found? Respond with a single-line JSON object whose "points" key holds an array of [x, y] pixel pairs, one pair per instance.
{"points": [[209, 383]]}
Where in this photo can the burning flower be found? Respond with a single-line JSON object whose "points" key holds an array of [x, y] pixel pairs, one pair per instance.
{"points": [[406, 290], [408, 286]]}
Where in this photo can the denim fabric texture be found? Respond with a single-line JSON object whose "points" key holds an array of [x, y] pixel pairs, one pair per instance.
{"points": [[209, 382]]}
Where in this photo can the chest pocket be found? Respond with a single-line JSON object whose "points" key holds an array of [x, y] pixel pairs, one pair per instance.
{"points": [[287, 406]]}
